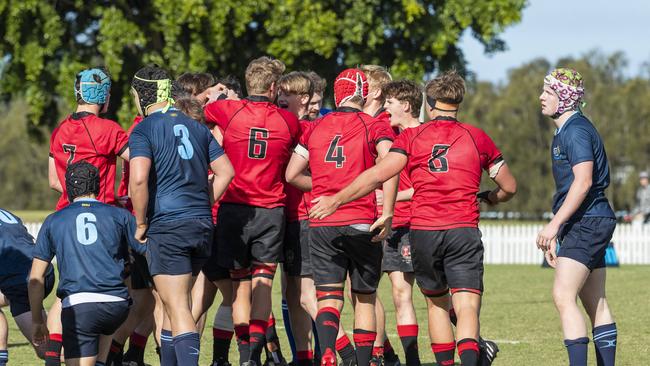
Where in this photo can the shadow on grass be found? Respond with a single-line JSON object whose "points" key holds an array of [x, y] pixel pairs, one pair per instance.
{"points": [[19, 344]]}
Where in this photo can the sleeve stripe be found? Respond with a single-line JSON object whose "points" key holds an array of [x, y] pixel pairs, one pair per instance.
{"points": [[383, 139], [121, 151], [494, 169], [398, 150], [302, 151]]}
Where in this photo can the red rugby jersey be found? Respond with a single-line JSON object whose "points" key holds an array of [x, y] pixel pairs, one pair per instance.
{"points": [[341, 145], [123, 188], [297, 200], [445, 161], [258, 138], [85, 136]]}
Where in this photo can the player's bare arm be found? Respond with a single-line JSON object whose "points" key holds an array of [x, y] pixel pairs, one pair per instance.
{"points": [[55, 184], [36, 291], [125, 154], [139, 190], [223, 175], [506, 186], [576, 195], [387, 168], [390, 194], [296, 173], [405, 195]]}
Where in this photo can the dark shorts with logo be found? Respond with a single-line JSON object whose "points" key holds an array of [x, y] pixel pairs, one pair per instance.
{"points": [[397, 252], [297, 257], [247, 233], [586, 240], [179, 247], [339, 250], [83, 324], [448, 259]]}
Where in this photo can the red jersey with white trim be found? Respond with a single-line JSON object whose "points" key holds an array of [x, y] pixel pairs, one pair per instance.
{"points": [[445, 161], [123, 188], [258, 138], [297, 200], [341, 145], [85, 136], [402, 211]]}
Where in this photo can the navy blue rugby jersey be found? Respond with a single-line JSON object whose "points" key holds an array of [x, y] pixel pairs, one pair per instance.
{"points": [[181, 150], [90, 240], [577, 141], [16, 247]]}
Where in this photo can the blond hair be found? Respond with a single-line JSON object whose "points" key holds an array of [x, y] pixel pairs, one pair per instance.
{"points": [[261, 73], [297, 83], [377, 76], [448, 87]]}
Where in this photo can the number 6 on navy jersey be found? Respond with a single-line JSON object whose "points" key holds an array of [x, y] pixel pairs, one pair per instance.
{"points": [[86, 228], [185, 150]]}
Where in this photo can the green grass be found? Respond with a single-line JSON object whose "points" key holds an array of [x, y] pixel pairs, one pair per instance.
{"points": [[517, 312]]}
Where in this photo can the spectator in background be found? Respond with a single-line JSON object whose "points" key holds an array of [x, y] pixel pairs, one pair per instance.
{"points": [[641, 211]]}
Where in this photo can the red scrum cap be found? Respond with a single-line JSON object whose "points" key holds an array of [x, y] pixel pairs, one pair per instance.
{"points": [[350, 83]]}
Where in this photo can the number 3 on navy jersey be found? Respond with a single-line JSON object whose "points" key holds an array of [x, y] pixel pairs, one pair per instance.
{"points": [[438, 161], [185, 150], [86, 228], [335, 152], [257, 143]]}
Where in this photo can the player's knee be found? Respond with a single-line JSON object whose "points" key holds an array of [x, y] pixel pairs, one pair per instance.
{"points": [[563, 299]]}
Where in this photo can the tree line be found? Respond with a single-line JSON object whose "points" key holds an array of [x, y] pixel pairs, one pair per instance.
{"points": [[509, 112]]}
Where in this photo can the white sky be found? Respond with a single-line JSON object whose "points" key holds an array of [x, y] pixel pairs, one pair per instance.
{"points": [[557, 28]]}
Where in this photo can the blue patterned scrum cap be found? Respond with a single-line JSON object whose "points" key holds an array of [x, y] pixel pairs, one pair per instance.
{"points": [[94, 86]]}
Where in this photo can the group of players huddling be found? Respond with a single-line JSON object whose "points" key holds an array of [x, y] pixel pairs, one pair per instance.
{"points": [[219, 189]]}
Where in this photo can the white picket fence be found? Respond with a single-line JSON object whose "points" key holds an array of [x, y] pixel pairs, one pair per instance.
{"points": [[515, 244]]}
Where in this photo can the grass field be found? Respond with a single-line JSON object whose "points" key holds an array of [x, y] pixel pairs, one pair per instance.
{"points": [[517, 313]]}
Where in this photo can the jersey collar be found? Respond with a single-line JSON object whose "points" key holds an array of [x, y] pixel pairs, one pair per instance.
{"points": [[379, 111], [86, 200], [445, 118], [348, 109], [258, 98], [573, 116], [80, 115], [161, 109]]}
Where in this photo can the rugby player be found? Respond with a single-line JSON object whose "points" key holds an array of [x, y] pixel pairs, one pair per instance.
{"points": [[378, 76], [336, 148], [16, 253], [170, 195], [445, 159], [403, 100], [295, 91], [83, 135], [90, 240], [583, 220], [258, 137]]}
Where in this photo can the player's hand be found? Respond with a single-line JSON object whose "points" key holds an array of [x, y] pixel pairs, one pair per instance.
{"points": [[39, 334], [215, 95], [385, 223], [323, 206], [551, 255], [485, 198], [547, 236], [141, 233]]}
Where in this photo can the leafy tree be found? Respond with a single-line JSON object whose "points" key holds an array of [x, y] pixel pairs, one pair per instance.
{"points": [[23, 167], [48, 42], [511, 114]]}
